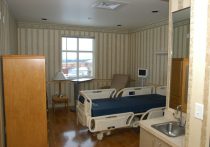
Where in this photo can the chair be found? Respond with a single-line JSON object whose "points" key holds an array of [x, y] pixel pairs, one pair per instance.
{"points": [[119, 81]]}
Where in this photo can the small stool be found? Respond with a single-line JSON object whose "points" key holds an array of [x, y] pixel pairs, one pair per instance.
{"points": [[59, 100]]}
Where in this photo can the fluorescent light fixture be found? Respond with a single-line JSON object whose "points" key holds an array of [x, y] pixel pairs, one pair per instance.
{"points": [[111, 5]]}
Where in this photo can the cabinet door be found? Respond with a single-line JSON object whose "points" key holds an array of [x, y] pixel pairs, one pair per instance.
{"points": [[174, 101], [176, 83], [25, 101], [160, 143], [185, 84], [1, 108], [179, 81], [149, 140], [146, 139], [176, 77]]}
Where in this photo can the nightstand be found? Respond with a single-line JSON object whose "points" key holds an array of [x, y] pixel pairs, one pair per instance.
{"points": [[59, 100]]}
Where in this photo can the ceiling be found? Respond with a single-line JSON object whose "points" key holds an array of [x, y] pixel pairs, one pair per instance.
{"points": [[133, 14]]}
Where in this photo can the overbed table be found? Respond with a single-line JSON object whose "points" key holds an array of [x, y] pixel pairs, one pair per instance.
{"points": [[76, 89]]}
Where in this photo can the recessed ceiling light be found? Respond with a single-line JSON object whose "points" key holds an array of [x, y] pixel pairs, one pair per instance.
{"points": [[44, 19], [155, 11]]}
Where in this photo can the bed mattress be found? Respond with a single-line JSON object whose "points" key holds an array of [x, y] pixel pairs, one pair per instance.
{"points": [[135, 104]]}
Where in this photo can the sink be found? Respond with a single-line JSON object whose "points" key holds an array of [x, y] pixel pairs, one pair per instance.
{"points": [[171, 129]]}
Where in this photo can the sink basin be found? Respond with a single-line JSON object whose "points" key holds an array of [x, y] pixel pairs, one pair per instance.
{"points": [[171, 129]]}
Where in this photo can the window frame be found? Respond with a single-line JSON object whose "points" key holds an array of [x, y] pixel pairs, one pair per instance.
{"points": [[77, 51]]}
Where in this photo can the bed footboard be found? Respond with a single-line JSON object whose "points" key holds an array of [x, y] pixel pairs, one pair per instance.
{"points": [[84, 103], [110, 122], [153, 113]]}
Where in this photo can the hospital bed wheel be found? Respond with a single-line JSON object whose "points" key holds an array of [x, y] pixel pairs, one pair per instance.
{"points": [[108, 133], [100, 136]]}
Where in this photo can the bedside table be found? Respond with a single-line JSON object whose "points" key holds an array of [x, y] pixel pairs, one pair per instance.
{"points": [[59, 100]]}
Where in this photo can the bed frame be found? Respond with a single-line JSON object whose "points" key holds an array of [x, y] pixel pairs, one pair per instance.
{"points": [[104, 124]]}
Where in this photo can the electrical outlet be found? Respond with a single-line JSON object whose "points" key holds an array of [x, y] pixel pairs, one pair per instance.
{"points": [[199, 111]]}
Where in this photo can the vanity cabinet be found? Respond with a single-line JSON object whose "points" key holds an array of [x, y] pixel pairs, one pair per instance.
{"points": [[149, 140], [23, 116], [179, 81]]}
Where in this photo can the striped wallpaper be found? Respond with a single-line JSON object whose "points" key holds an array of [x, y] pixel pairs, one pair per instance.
{"points": [[111, 52], [116, 52], [8, 45], [181, 39], [149, 50], [8, 30]]}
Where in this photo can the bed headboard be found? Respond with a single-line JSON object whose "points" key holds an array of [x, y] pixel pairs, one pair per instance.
{"points": [[161, 90], [135, 91], [99, 93]]}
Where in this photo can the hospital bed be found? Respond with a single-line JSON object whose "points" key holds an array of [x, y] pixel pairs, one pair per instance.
{"points": [[103, 110]]}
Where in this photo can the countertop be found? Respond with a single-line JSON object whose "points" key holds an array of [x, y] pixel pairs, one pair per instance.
{"points": [[173, 141]]}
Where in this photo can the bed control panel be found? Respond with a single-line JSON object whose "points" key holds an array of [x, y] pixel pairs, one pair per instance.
{"points": [[132, 93]]}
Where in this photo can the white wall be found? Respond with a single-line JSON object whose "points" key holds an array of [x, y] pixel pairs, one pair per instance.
{"points": [[112, 52], [8, 45], [116, 52], [146, 45], [8, 30], [181, 38]]}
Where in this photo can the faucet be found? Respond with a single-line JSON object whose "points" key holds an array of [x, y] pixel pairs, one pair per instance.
{"points": [[179, 111]]}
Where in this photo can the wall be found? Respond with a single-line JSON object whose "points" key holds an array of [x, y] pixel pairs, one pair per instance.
{"points": [[112, 52], [197, 131], [8, 45], [148, 50], [115, 52], [179, 4], [8, 30], [181, 32]]}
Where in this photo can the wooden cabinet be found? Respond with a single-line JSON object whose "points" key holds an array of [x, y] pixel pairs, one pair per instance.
{"points": [[149, 140], [24, 99], [2, 137], [179, 81]]}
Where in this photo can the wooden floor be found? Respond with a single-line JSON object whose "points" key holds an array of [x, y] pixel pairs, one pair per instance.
{"points": [[64, 132]]}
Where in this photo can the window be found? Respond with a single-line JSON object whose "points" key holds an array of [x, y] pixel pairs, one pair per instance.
{"points": [[77, 57]]}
